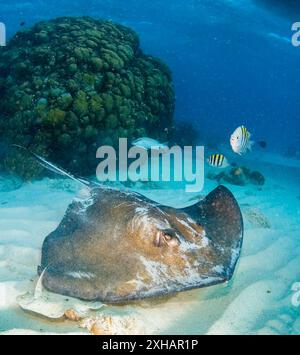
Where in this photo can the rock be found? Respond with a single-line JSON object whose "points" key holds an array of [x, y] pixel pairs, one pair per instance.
{"points": [[240, 176], [71, 315], [257, 178], [114, 325]]}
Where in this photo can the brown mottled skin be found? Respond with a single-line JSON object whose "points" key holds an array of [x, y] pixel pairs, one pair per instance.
{"points": [[124, 246]]}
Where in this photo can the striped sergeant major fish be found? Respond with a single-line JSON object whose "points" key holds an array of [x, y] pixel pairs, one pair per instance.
{"points": [[218, 161], [241, 141]]}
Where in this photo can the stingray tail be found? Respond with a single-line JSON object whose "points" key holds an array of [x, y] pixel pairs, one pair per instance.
{"points": [[38, 291], [51, 167]]}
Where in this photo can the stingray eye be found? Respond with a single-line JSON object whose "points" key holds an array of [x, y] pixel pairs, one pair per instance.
{"points": [[173, 242], [166, 238]]}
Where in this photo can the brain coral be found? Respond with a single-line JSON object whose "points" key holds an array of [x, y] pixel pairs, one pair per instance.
{"points": [[69, 85]]}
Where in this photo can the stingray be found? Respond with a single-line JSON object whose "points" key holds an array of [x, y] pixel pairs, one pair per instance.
{"points": [[116, 246]]}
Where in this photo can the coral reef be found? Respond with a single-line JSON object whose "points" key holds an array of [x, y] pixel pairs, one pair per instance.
{"points": [[240, 176], [72, 84]]}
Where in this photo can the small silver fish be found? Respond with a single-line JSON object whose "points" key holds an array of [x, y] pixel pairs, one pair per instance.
{"points": [[149, 143], [240, 141], [218, 161]]}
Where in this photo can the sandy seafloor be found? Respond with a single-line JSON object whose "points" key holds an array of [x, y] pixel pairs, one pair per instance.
{"points": [[257, 301]]}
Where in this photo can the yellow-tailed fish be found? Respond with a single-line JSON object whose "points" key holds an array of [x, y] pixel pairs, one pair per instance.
{"points": [[218, 161], [241, 140]]}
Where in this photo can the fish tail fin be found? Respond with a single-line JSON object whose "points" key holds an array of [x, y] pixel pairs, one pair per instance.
{"points": [[226, 164], [250, 145], [51, 167]]}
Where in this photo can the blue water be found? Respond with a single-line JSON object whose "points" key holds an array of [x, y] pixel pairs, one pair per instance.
{"points": [[232, 61]]}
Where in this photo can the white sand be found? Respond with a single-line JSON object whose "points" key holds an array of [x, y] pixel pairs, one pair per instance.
{"points": [[257, 301]]}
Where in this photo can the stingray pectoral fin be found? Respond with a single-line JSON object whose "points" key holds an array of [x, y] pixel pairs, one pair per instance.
{"points": [[78, 284], [221, 218]]}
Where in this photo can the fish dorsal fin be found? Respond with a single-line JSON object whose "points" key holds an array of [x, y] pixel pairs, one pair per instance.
{"points": [[220, 215]]}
